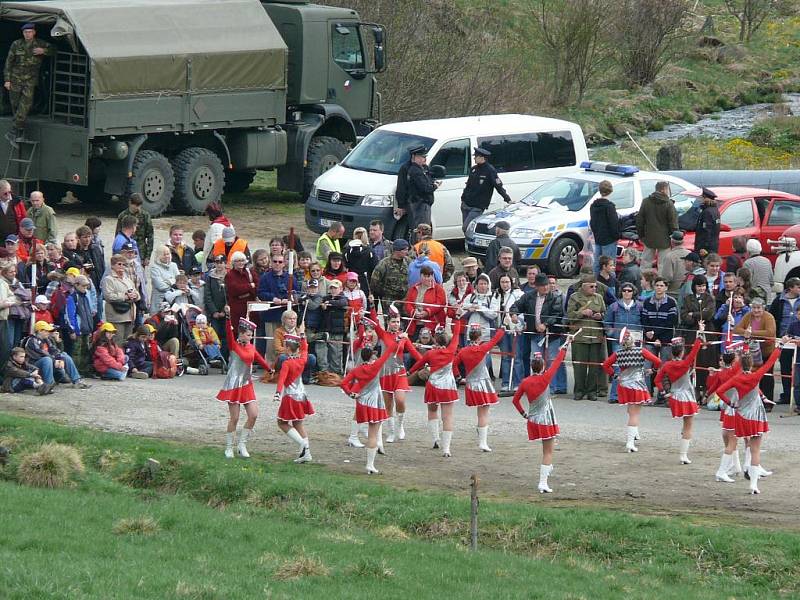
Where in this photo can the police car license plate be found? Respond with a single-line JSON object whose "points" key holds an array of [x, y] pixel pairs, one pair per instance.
{"points": [[482, 242], [325, 222]]}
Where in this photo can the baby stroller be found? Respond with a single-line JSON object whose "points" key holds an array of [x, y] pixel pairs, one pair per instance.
{"points": [[192, 353]]}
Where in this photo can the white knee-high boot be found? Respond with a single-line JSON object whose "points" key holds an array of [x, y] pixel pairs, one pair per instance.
{"points": [[724, 466], [353, 439], [229, 445], [371, 452], [302, 446], [401, 432], [446, 437], [735, 466], [483, 435], [754, 473], [245, 435], [685, 452], [433, 428], [630, 445], [380, 440], [390, 428], [544, 473]]}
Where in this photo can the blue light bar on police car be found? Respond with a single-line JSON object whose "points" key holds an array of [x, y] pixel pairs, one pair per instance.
{"points": [[604, 167]]}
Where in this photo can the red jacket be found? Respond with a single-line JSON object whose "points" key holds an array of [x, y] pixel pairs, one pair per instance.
{"points": [[534, 385], [474, 354], [357, 378], [675, 369], [436, 358], [434, 311], [108, 356], [292, 368], [240, 288]]}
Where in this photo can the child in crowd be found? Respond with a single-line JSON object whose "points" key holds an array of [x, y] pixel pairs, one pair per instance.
{"points": [[304, 261], [607, 275], [139, 352], [19, 375], [199, 241], [42, 308], [646, 285], [196, 284], [206, 338], [630, 273]]}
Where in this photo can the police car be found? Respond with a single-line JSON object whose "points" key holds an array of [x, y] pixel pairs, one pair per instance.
{"points": [[551, 224]]}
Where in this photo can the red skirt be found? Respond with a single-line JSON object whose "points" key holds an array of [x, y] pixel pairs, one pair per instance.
{"points": [[396, 382], [749, 427], [632, 396], [434, 395], [542, 432], [682, 409], [294, 410], [370, 414], [478, 398], [727, 421], [240, 395]]}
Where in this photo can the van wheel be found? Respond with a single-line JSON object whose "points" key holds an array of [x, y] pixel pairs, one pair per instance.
{"points": [[324, 153], [563, 261], [154, 179], [199, 180]]}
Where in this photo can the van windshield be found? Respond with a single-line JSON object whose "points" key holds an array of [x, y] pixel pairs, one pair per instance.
{"points": [[572, 194], [384, 151]]}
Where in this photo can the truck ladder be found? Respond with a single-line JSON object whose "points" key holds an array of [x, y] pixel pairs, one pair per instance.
{"points": [[18, 165]]}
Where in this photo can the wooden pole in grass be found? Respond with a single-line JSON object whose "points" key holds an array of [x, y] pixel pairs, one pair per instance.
{"points": [[473, 517]]}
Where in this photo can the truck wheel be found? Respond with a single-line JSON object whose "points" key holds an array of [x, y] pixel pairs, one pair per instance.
{"points": [[237, 182], [563, 261], [154, 179], [324, 153], [199, 180], [53, 192]]}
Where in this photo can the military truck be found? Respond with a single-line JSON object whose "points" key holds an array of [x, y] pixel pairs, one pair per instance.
{"points": [[181, 100]]}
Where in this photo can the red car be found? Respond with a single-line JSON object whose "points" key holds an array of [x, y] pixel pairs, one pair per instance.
{"points": [[750, 212]]}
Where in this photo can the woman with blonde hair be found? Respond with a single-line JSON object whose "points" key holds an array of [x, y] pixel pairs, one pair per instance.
{"points": [[163, 274]]}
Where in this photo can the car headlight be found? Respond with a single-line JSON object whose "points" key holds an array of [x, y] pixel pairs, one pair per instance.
{"points": [[471, 227], [378, 201], [527, 233], [313, 192]]}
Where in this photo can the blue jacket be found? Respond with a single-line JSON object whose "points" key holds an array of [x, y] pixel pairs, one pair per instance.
{"points": [[617, 317], [417, 264], [781, 309], [272, 286], [137, 354]]}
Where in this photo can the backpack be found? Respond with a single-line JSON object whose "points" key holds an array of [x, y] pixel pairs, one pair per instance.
{"points": [[166, 366]]}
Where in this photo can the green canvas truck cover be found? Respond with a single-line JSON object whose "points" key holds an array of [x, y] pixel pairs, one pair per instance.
{"points": [[165, 47]]}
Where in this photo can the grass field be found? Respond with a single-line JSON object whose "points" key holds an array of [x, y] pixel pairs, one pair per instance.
{"points": [[204, 527]]}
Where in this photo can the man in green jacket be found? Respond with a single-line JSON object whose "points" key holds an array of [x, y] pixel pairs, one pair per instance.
{"points": [[655, 222], [586, 310], [44, 218], [144, 226]]}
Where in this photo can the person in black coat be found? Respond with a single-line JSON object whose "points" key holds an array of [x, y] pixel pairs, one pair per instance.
{"points": [[419, 189], [604, 223], [706, 239], [359, 258], [483, 180]]}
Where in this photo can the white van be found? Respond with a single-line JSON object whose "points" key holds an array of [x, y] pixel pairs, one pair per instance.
{"points": [[526, 151]]}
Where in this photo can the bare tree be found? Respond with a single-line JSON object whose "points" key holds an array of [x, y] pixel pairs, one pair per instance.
{"points": [[647, 35], [574, 36], [751, 14]]}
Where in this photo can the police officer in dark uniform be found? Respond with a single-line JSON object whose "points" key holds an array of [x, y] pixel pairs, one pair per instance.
{"points": [[481, 183], [419, 189], [706, 237]]}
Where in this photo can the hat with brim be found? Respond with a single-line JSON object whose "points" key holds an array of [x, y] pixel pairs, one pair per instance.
{"points": [[335, 283], [481, 152], [43, 326], [109, 327], [504, 225], [247, 324], [470, 261], [27, 26], [418, 151], [707, 193]]}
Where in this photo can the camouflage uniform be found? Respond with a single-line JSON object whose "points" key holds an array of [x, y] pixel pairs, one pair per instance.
{"points": [[144, 231], [390, 279], [22, 70]]}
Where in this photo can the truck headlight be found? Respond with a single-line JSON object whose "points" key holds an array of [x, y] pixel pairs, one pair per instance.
{"points": [[313, 192], [374, 201], [526, 233]]}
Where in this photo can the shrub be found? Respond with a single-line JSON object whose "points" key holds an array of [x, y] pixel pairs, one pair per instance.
{"points": [[51, 466], [143, 525], [301, 565]]}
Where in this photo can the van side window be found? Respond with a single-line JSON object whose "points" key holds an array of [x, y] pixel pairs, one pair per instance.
{"points": [[529, 151], [454, 157]]}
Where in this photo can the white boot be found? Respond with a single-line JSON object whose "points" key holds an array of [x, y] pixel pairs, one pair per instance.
{"points": [[483, 434], [754, 473], [724, 466], [544, 473], [746, 465], [401, 433], [630, 446], [380, 440], [735, 466], [433, 428], [762, 472], [229, 445], [353, 439], [302, 446], [446, 437], [371, 452], [685, 452], [390, 427], [636, 436], [243, 443]]}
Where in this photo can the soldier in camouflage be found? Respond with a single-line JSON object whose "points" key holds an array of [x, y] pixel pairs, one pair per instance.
{"points": [[389, 280], [22, 74]]}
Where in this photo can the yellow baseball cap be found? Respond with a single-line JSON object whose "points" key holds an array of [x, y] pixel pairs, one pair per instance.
{"points": [[74, 271], [108, 327], [150, 328], [43, 326]]}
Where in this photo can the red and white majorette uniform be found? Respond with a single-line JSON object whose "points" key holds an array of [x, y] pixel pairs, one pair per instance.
{"points": [[682, 400], [238, 385], [727, 412], [295, 405], [631, 385], [751, 416], [542, 424], [441, 386], [364, 380], [479, 388], [394, 377]]}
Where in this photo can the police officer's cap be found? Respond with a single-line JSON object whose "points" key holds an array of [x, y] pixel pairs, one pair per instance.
{"points": [[28, 26], [482, 152], [707, 193], [418, 151]]}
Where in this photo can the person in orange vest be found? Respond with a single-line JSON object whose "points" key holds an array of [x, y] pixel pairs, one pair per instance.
{"points": [[227, 245], [437, 251]]}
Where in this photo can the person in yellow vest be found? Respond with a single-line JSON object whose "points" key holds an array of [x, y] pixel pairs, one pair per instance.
{"points": [[437, 251], [329, 242], [227, 245]]}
